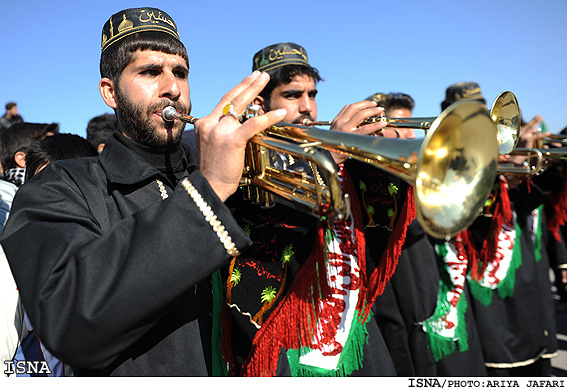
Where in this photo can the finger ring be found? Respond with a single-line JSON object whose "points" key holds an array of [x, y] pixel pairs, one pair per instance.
{"points": [[229, 110]]}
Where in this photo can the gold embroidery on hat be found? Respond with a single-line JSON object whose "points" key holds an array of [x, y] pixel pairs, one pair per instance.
{"points": [[471, 93], [278, 54], [378, 97], [125, 24], [155, 19], [111, 29]]}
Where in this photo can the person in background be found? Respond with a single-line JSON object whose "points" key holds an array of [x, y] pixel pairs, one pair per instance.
{"points": [[396, 105], [99, 129], [38, 156], [14, 144], [11, 116], [508, 265], [298, 301], [116, 270], [417, 293], [57, 147]]}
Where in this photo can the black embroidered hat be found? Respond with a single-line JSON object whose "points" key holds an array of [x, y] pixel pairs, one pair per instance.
{"points": [[461, 91], [380, 98], [280, 54], [133, 20]]}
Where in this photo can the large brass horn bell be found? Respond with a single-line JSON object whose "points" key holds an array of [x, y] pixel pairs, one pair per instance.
{"points": [[505, 113], [452, 169]]}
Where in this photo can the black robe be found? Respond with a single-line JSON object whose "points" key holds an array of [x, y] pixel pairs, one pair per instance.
{"points": [[410, 298], [517, 331], [116, 281], [274, 229]]}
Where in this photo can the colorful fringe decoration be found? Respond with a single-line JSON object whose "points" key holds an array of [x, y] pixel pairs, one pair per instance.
{"points": [[502, 212], [505, 287], [292, 324], [218, 363], [351, 356], [446, 329], [557, 216], [444, 346]]}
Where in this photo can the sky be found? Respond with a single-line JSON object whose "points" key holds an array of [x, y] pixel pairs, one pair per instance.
{"points": [[51, 51]]}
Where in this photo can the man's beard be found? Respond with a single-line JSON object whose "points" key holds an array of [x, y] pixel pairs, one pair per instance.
{"points": [[137, 122]]}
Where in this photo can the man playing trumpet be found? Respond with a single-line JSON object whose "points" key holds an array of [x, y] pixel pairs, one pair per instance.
{"points": [[298, 302]]}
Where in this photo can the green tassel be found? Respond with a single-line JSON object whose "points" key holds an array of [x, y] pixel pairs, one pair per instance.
{"points": [[439, 345], [350, 360], [218, 364], [480, 293], [506, 286], [537, 242], [461, 332], [444, 346]]}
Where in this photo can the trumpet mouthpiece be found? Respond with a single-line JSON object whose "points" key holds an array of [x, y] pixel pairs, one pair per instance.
{"points": [[168, 113]]}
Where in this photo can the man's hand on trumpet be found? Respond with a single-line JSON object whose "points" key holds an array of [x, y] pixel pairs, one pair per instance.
{"points": [[222, 138], [530, 133], [351, 117], [529, 137]]}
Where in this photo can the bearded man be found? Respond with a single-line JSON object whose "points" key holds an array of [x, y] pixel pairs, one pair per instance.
{"points": [[113, 254]]}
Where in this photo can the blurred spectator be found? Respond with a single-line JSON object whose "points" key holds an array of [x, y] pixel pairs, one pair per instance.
{"points": [[56, 147], [29, 347], [14, 144], [99, 129], [11, 116]]}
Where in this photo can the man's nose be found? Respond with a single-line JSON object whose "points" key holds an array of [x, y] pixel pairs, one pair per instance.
{"points": [[170, 87], [306, 104]]}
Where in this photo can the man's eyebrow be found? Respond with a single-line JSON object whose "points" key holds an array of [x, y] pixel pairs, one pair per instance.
{"points": [[158, 66], [182, 68], [292, 91], [149, 66]]}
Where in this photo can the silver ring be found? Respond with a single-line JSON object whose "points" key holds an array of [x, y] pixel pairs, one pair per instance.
{"points": [[229, 110]]}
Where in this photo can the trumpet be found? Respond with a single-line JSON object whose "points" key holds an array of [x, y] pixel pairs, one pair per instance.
{"points": [[551, 140], [423, 123], [261, 181], [505, 113], [169, 114], [528, 168], [452, 170]]}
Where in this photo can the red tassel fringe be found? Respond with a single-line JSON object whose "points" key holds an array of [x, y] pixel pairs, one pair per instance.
{"points": [[389, 262], [291, 324], [557, 216], [502, 213]]}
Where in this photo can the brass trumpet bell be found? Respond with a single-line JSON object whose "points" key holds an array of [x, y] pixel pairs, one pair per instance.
{"points": [[452, 169], [505, 113]]}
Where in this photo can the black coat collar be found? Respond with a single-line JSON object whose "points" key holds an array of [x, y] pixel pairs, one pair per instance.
{"points": [[124, 166]]}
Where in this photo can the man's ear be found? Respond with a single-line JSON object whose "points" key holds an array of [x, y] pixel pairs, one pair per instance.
{"points": [[108, 92], [259, 100], [20, 159]]}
